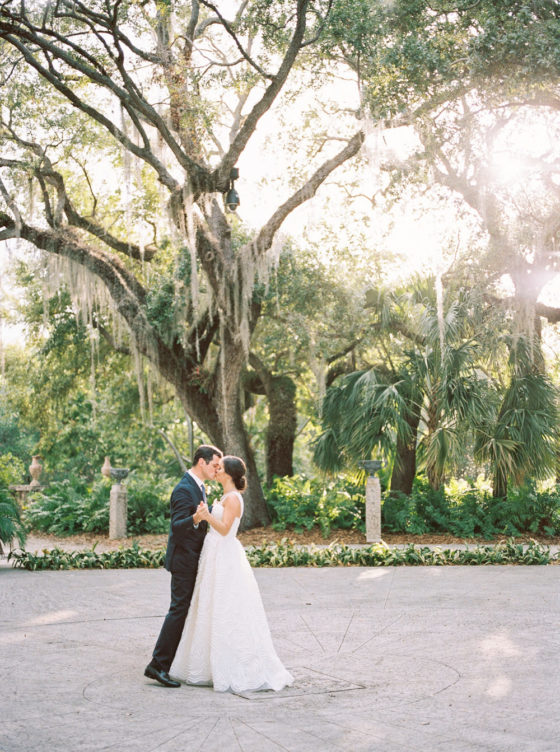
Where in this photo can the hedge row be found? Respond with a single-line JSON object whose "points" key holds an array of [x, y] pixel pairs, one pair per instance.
{"points": [[286, 554]]}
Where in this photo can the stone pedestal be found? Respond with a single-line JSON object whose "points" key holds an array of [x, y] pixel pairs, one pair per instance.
{"points": [[118, 511], [373, 510], [22, 492]]}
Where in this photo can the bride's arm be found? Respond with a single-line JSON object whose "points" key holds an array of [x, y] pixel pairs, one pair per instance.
{"points": [[232, 509]]}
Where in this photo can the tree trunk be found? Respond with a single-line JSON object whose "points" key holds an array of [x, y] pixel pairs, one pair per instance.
{"points": [[434, 471], [282, 425], [280, 392], [499, 484], [227, 431], [237, 443], [404, 469], [233, 437]]}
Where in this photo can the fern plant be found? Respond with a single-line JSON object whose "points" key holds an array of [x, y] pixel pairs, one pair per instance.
{"points": [[11, 525]]}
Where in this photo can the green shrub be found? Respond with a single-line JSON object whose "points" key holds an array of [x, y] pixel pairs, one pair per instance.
{"points": [[467, 511], [532, 511], [398, 515], [12, 470], [302, 503], [11, 525], [431, 506], [68, 507], [148, 505]]}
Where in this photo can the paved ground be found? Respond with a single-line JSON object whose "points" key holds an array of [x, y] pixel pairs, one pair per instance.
{"points": [[385, 659]]}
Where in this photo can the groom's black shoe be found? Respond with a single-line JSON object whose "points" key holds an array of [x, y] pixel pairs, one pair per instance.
{"points": [[161, 676]]}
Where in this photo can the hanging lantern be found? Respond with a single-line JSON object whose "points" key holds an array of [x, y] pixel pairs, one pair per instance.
{"points": [[231, 198]]}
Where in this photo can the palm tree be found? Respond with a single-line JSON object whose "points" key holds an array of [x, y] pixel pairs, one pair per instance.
{"points": [[373, 409], [413, 407], [11, 525], [519, 433]]}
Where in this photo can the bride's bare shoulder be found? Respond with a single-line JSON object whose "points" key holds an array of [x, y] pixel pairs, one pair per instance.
{"points": [[231, 499]]}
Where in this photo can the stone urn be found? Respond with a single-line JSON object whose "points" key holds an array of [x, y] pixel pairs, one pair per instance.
{"points": [[119, 474], [106, 469], [35, 469]]}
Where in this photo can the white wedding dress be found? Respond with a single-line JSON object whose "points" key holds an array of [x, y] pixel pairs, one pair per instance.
{"points": [[226, 640]]}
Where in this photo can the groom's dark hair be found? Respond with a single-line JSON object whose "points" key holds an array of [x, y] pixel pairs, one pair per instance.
{"points": [[206, 452]]}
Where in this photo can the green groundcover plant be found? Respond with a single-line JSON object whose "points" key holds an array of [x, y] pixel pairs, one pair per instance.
{"points": [[286, 554]]}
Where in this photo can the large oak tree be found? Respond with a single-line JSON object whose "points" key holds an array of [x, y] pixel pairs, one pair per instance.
{"points": [[180, 90]]}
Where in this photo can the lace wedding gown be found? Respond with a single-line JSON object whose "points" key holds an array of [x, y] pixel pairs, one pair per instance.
{"points": [[226, 640]]}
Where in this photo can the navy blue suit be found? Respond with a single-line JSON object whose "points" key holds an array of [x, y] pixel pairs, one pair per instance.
{"points": [[181, 559]]}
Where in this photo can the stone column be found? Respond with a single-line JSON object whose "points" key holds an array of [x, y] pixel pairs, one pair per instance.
{"points": [[373, 500], [373, 510], [118, 503], [118, 511]]}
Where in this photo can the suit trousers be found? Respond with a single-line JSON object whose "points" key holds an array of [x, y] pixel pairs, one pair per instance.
{"points": [[182, 587]]}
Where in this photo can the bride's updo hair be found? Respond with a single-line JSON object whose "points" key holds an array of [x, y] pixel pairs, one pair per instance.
{"points": [[236, 469]]}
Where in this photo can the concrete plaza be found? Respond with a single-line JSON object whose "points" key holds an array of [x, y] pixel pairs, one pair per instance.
{"points": [[384, 659]]}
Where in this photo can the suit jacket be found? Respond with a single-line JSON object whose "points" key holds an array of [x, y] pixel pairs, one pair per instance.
{"points": [[184, 542]]}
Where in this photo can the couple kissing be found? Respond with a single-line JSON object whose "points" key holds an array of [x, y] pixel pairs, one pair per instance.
{"points": [[216, 631]]}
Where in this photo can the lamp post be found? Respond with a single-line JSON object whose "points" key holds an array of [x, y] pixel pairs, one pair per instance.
{"points": [[231, 198], [373, 500]]}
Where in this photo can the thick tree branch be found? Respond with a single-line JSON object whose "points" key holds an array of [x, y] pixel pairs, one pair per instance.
{"points": [[91, 18], [552, 315], [13, 206], [174, 363], [130, 249], [86, 64], [125, 289], [262, 372], [53, 177], [222, 173], [267, 232], [201, 336]]}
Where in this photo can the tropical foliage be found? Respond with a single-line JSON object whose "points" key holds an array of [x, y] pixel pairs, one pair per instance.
{"points": [[467, 511], [11, 524], [68, 507], [301, 503], [444, 389]]}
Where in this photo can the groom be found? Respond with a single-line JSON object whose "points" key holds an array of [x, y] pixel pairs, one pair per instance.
{"points": [[186, 536]]}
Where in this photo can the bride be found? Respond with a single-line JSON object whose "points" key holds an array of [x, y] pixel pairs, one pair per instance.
{"points": [[226, 639]]}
